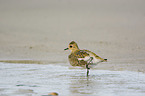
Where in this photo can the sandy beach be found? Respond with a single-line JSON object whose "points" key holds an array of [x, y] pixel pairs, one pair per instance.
{"points": [[40, 30], [34, 34]]}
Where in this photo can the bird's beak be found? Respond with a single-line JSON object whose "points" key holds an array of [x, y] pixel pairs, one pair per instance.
{"points": [[66, 48]]}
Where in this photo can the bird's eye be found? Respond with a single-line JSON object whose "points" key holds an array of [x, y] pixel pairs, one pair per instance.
{"points": [[70, 46]]}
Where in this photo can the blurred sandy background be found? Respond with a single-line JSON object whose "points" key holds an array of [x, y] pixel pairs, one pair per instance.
{"points": [[40, 30]]}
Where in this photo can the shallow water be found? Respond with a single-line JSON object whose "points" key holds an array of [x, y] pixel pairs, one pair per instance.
{"points": [[37, 80]]}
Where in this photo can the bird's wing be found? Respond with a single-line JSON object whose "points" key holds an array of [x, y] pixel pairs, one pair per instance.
{"points": [[82, 55], [92, 54]]}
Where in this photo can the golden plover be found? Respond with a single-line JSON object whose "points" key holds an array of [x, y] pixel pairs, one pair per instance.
{"points": [[82, 57]]}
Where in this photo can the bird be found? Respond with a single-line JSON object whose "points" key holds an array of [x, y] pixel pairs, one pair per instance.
{"points": [[82, 58]]}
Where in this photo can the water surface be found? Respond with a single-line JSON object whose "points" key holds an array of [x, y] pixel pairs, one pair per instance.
{"points": [[37, 80]]}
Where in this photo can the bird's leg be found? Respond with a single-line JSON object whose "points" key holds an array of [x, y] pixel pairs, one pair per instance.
{"points": [[87, 65], [87, 69], [90, 60]]}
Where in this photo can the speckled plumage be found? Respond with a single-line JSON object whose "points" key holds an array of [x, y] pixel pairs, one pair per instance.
{"points": [[73, 58], [82, 57]]}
